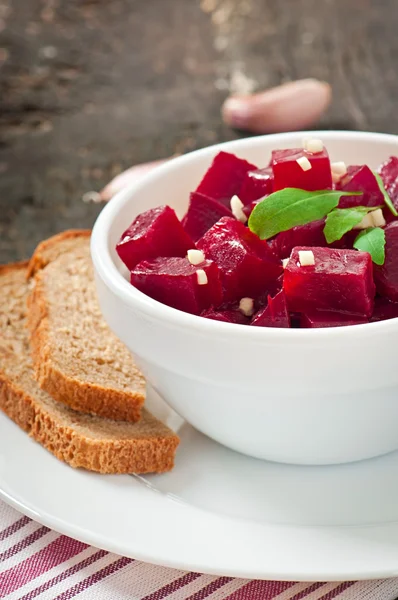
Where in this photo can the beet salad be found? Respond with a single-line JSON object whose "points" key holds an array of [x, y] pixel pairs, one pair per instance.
{"points": [[301, 242]]}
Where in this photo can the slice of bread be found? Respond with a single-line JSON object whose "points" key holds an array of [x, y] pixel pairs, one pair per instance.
{"points": [[77, 359], [48, 250], [86, 441]]}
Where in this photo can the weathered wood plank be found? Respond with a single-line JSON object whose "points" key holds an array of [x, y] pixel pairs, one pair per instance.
{"points": [[88, 87]]}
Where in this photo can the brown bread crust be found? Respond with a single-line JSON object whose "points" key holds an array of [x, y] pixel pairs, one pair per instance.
{"points": [[74, 390], [80, 440], [107, 456], [77, 394], [53, 247]]}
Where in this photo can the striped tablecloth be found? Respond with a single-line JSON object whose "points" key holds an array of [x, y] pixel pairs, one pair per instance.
{"points": [[36, 562]]}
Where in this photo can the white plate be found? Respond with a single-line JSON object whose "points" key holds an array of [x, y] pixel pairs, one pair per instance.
{"points": [[218, 512]]}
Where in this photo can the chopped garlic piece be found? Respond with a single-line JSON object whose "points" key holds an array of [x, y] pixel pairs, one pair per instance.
{"points": [[366, 222], [378, 218], [246, 306], [313, 145], [306, 258], [202, 277], [304, 163], [336, 177], [195, 257], [284, 262], [339, 168], [236, 207], [92, 197]]}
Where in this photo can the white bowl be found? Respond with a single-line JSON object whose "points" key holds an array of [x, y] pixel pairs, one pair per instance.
{"points": [[319, 396]]}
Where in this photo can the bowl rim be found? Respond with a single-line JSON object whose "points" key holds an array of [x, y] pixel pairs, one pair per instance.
{"points": [[107, 270]]}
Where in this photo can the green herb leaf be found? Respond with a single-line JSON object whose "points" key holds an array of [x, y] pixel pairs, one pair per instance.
{"points": [[372, 240], [387, 198], [341, 220], [290, 207]]}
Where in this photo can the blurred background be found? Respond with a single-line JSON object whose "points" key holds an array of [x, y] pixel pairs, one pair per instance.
{"points": [[91, 87]]}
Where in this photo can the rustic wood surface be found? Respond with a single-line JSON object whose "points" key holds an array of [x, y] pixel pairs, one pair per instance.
{"points": [[89, 87]]}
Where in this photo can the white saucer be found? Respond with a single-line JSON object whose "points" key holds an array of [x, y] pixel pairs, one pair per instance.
{"points": [[218, 511]]}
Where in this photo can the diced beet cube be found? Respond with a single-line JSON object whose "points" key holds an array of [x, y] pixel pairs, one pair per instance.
{"points": [[174, 281], [248, 208], [347, 241], [210, 294], [328, 318], [155, 232], [387, 214], [386, 276], [216, 316], [227, 316], [360, 179], [340, 280], [273, 288], [256, 185], [275, 314], [288, 172], [295, 320], [310, 234], [247, 265], [202, 213], [224, 177], [384, 310], [388, 171]]}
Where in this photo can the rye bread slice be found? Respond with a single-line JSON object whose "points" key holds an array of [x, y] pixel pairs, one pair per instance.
{"points": [[81, 440], [48, 250], [77, 359]]}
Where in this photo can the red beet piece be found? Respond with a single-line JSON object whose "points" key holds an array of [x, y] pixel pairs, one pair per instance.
{"points": [[384, 310], [386, 276], [275, 314], [388, 216], [227, 316], [247, 265], [347, 241], [328, 318], [360, 179], [256, 185], [174, 281], [302, 235], [295, 320], [155, 232], [340, 280], [273, 288], [224, 177], [310, 234], [248, 208], [202, 213], [288, 173], [388, 171]]}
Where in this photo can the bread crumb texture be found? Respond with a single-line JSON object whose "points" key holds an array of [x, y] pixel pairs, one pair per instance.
{"points": [[81, 440], [77, 359]]}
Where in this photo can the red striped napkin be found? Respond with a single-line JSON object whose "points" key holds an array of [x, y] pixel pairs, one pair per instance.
{"points": [[36, 562]]}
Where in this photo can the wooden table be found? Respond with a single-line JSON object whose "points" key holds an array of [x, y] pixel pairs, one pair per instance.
{"points": [[89, 87]]}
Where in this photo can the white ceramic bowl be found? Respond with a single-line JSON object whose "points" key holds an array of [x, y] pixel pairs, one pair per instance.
{"points": [[319, 396]]}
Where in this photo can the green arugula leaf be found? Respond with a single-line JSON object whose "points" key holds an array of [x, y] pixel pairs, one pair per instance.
{"points": [[341, 220], [372, 240], [290, 207], [387, 198]]}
